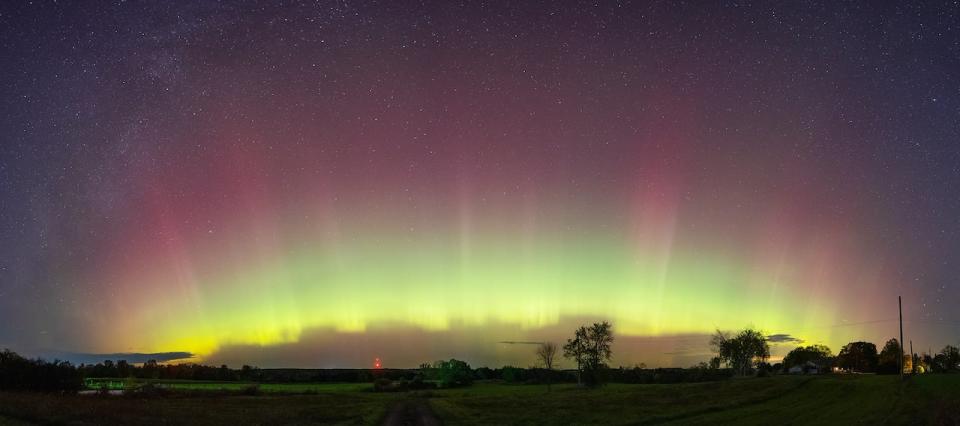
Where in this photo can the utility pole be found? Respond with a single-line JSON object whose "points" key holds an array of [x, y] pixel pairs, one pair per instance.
{"points": [[900, 308]]}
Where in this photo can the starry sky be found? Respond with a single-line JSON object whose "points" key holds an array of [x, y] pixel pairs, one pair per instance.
{"points": [[316, 184]]}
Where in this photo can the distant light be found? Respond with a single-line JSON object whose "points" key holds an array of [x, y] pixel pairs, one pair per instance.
{"points": [[376, 363]]}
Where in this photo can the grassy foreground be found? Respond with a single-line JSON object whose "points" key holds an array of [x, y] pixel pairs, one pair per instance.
{"points": [[204, 404], [929, 399]]}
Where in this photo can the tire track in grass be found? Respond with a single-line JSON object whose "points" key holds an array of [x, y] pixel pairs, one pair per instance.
{"points": [[409, 412], [721, 408]]}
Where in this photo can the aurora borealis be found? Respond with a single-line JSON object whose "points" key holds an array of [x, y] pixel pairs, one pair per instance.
{"points": [[319, 184]]}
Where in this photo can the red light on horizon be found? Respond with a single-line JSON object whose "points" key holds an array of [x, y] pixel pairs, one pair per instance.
{"points": [[376, 363]]}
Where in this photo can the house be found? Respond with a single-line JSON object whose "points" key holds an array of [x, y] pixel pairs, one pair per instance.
{"points": [[805, 368]]}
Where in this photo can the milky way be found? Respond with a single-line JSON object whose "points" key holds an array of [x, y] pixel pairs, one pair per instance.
{"points": [[318, 184]]}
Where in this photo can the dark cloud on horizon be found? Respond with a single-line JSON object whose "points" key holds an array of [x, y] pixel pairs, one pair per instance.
{"points": [[130, 357], [784, 338]]}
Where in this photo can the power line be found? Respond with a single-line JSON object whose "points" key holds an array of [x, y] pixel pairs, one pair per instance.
{"points": [[906, 320], [934, 321], [849, 324]]}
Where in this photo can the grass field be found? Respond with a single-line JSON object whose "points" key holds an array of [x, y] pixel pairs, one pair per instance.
{"points": [[762, 401], [206, 404], [929, 399], [270, 387]]}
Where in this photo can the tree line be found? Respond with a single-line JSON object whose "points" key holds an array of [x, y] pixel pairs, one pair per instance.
{"points": [[590, 349], [748, 352], [19, 373]]}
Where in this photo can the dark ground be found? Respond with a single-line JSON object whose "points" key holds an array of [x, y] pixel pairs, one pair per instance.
{"points": [[800, 400], [411, 412]]}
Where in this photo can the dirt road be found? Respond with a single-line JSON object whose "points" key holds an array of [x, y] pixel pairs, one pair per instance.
{"points": [[411, 412]]}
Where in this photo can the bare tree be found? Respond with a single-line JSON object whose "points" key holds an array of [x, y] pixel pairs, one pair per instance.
{"points": [[545, 354]]}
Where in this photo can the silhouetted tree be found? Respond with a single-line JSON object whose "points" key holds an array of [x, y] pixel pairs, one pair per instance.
{"points": [[249, 373], [123, 369], [546, 352], [601, 339], [860, 357], [150, 370], [818, 355], [590, 348], [109, 370], [947, 360], [19, 373], [483, 373], [747, 349], [889, 359], [715, 363], [512, 374], [224, 373], [452, 373]]}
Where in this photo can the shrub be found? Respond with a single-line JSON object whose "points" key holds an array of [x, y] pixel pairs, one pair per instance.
{"points": [[383, 385], [452, 373], [512, 374]]}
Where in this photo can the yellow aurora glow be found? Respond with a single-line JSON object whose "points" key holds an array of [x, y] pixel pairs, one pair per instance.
{"points": [[378, 283]]}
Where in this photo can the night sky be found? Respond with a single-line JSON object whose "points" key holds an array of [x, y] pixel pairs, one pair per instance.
{"points": [[318, 184]]}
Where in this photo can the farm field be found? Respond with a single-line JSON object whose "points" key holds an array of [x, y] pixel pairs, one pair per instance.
{"points": [[205, 404], [929, 399]]}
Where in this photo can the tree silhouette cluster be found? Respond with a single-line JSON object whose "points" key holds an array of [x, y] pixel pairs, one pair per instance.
{"points": [[803, 356], [888, 362], [862, 357], [858, 357], [946, 361], [19, 373], [449, 374], [696, 374], [154, 370]]}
